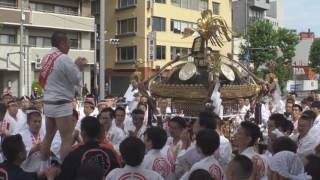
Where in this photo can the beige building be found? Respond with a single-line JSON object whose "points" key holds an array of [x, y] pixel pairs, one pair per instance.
{"points": [[151, 32], [42, 18]]}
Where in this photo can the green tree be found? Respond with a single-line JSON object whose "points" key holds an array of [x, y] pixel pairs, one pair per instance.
{"points": [[314, 56], [36, 87], [264, 44], [286, 43], [260, 37]]}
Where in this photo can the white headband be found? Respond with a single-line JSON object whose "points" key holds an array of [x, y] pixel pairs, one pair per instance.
{"points": [[32, 111]]}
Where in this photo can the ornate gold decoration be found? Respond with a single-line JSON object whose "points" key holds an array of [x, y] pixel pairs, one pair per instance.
{"points": [[184, 91], [211, 27], [227, 72], [237, 91], [187, 71], [136, 77], [192, 95], [271, 78]]}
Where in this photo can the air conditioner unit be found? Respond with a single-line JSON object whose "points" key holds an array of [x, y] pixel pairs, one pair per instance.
{"points": [[38, 64], [114, 41]]}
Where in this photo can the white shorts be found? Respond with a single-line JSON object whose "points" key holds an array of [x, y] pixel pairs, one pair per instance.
{"points": [[56, 111]]}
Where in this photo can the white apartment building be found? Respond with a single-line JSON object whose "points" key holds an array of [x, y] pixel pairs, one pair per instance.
{"points": [[41, 19]]}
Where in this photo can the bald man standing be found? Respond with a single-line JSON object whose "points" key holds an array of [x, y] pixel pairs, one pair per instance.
{"points": [[59, 77]]}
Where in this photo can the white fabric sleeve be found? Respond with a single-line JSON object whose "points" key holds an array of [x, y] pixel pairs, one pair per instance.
{"points": [[265, 114], [71, 71], [307, 146], [27, 142]]}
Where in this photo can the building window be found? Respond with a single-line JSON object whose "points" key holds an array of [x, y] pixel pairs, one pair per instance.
{"points": [[95, 7], [127, 54], [178, 26], [36, 41], [65, 10], [158, 24], [126, 3], [175, 26], [43, 7], [8, 3], [176, 2], [161, 52], [92, 41], [216, 8], [74, 43], [7, 39], [198, 5], [127, 26], [256, 13], [203, 5], [179, 50], [184, 4], [160, 1]]}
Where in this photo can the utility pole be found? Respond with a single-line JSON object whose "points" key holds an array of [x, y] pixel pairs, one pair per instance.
{"points": [[95, 60], [247, 14], [21, 73], [294, 75], [102, 49]]}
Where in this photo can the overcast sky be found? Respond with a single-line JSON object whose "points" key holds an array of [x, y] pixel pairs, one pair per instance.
{"points": [[301, 15]]}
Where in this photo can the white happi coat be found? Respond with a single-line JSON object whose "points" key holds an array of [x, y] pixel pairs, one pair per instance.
{"points": [[156, 161], [209, 164], [14, 126], [127, 125], [262, 164], [176, 147], [32, 163], [185, 158], [307, 144], [115, 136], [61, 84], [241, 114], [265, 113], [140, 133], [171, 151], [22, 115], [316, 122], [81, 116], [224, 152], [133, 173]]}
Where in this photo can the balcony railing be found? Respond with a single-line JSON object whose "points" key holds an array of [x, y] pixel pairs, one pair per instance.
{"points": [[261, 4], [72, 13]]}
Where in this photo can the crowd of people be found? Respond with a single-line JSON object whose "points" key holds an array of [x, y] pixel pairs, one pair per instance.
{"points": [[56, 137], [113, 142]]}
